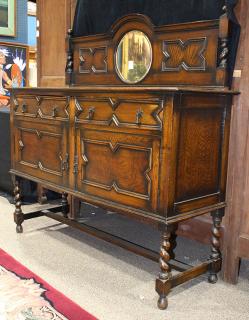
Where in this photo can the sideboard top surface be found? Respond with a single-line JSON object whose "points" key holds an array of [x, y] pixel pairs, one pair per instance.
{"points": [[123, 89]]}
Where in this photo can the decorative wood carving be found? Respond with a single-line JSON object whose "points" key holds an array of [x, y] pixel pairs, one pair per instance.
{"points": [[162, 282], [223, 50], [18, 214], [223, 53], [125, 113], [215, 251], [187, 55], [34, 160], [93, 60], [176, 50], [114, 158], [156, 151], [43, 107], [69, 64], [163, 161]]}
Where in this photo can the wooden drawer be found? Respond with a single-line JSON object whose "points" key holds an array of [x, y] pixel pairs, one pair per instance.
{"points": [[41, 150], [45, 107], [119, 167], [146, 114]]}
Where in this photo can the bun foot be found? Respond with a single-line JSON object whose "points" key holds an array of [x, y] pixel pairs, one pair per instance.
{"points": [[19, 229], [162, 302], [212, 278]]}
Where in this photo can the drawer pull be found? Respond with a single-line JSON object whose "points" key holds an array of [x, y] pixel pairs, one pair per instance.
{"points": [[139, 116], [65, 163], [91, 111], [24, 108], [21, 145], [54, 112]]}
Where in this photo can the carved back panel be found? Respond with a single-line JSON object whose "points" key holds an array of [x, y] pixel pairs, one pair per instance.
{"points": [[182, 54]]}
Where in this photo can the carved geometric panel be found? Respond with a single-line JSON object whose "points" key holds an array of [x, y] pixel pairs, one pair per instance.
{"points": [[41, 150], [122, 167], [93, 60], [120, 112], [42, 107], [187, 55]]}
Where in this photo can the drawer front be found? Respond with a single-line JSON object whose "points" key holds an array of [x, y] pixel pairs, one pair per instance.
{"points": [[145, 114], [119, 167], [41, 151], [42, 107]]}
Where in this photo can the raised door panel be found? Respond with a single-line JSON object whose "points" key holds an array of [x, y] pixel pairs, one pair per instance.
{"points": [[119, 167], [41, 150]]}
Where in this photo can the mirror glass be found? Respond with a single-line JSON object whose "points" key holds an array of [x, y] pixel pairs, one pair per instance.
{"points": [[133, 56]]}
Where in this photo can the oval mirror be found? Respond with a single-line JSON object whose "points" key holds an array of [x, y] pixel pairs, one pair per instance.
{"points": [[133, 56]]}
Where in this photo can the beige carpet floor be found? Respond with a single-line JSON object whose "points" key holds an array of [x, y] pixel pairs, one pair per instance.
{"points": [[112, 283]]}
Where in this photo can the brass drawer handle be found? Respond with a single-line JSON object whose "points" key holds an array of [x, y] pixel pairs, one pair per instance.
{"points": [[139, 116], [54, 112], [65, 163], [91, 111]]}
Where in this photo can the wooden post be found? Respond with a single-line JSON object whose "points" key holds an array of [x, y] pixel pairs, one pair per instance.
{"points": [[236, 241]]}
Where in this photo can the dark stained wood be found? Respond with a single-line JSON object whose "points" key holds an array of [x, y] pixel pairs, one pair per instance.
{"points": [[74, 207], [41, 194], [163, 282], [120, 165], [153, 152], [190, 274], [18, 214], [215, 250], [181, 50]]}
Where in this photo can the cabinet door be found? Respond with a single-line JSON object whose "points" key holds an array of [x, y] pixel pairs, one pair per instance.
{"points": [[119, 167], [41, 150]]}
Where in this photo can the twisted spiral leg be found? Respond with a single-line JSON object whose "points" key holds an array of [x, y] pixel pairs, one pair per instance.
{"points": [[173, 242], [65, 205], [224, 53], [163, 280], [215, 249], [164, 256], [18, 214]]}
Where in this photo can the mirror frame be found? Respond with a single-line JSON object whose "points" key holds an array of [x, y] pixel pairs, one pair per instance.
{"points": [[116, 58]]}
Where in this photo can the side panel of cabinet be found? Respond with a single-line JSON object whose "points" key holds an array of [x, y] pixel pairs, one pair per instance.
{"points": [[120, 167], [202, 151]]}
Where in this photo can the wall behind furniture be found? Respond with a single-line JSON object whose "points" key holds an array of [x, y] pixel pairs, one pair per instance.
{"points": [[55, 18], [21, 24], [32, 30]]}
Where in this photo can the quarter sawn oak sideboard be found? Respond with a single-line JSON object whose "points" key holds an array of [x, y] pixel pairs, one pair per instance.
{"points": [[143, 133]]}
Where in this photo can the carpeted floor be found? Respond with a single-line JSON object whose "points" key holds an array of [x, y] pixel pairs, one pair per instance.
{"points": [[112, 283]]}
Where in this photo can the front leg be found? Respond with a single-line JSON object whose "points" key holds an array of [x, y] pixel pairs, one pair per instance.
{"points": [[163, 282], [18, 214], [215, 256], [41, 194], [65, 204]]}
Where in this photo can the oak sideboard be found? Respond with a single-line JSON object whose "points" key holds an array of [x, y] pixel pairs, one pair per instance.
{"points": [[143, 133]]}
